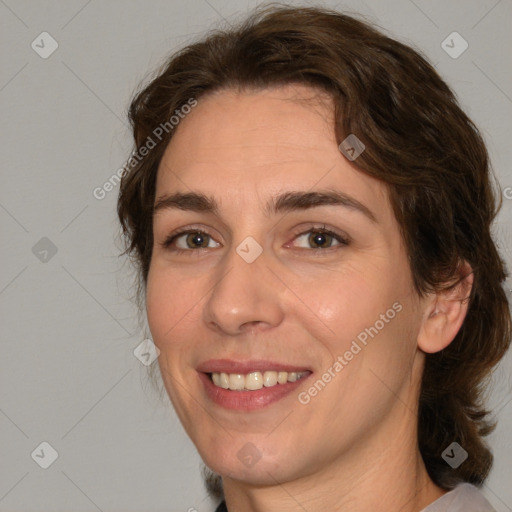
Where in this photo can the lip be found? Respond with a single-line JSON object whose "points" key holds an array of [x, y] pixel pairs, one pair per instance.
{"points": [[245, 367], [247, 400]]}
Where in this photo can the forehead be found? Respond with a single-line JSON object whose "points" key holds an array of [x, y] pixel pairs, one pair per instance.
{"points": [[261, 143]]}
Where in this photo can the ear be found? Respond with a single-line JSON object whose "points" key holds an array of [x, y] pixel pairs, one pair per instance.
{"points": [[445, 312]]}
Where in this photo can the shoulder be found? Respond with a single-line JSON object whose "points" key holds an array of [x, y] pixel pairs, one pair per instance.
{"points": [[462, 498]]}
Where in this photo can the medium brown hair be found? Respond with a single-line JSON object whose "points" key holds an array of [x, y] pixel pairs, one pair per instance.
{"points": [[418, 142]]}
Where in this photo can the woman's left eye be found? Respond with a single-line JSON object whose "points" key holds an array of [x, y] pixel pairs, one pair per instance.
{"points": [[322, 239]]}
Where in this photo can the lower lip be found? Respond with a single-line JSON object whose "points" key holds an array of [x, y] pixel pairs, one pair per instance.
{"points": [[248, 400]]}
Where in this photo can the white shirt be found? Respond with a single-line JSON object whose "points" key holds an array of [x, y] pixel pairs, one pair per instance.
{"points": [[463, 498]]}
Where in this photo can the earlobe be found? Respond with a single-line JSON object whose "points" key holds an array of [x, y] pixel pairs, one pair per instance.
{"points": [[444, 313]]}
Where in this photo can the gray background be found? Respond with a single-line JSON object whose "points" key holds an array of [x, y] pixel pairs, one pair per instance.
{"points": [[68, 375]]}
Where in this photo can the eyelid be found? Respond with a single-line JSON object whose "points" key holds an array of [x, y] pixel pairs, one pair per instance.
{"points": [[185, 231], [341, 237]]}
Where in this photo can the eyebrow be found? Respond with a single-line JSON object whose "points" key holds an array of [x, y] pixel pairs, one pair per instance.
{"points": [[286, 202]]}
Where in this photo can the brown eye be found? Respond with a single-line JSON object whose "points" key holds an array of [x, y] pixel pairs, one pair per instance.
{"points": [[197, 239], [321, 239], [189, 240]]}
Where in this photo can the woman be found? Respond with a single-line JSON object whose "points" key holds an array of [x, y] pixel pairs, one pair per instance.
{"points": [[309, 210]]}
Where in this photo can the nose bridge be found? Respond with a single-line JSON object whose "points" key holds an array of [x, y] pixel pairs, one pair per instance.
{"points": [[244, 294]]}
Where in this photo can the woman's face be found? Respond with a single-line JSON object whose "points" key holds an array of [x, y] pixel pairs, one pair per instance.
{"points": [[294, 264]]}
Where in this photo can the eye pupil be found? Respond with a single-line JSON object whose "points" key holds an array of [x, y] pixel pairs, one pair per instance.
{"points": [[197, 240], [320, 239]]}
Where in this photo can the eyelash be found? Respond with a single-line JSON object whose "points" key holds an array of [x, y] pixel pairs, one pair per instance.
{"points": [[343, 240]]}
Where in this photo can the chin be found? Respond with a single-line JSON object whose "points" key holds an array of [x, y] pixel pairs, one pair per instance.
{"points": [[243, 462]]}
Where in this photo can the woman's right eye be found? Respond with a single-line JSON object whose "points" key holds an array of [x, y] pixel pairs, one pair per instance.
{"points": [[188, 240]]}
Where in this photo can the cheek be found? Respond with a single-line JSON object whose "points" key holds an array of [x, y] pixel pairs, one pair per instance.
{"points": [[157, 306], [166, 313], [370, 313], [166, 304], [349, 301]]}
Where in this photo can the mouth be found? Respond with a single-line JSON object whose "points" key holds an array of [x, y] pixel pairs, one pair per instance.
{"points": [[249, 385]]}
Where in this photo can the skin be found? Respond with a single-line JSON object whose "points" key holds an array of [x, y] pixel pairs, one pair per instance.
{"points": [[354, 445]]}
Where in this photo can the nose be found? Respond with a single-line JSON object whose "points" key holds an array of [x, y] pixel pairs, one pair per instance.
{"points": [[245, 297]]}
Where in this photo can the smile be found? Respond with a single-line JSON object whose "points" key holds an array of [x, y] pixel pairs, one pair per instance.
{"points": [[249, 385]]}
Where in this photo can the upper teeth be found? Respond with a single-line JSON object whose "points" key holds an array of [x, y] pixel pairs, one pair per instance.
{"points": [[255, 380]]}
